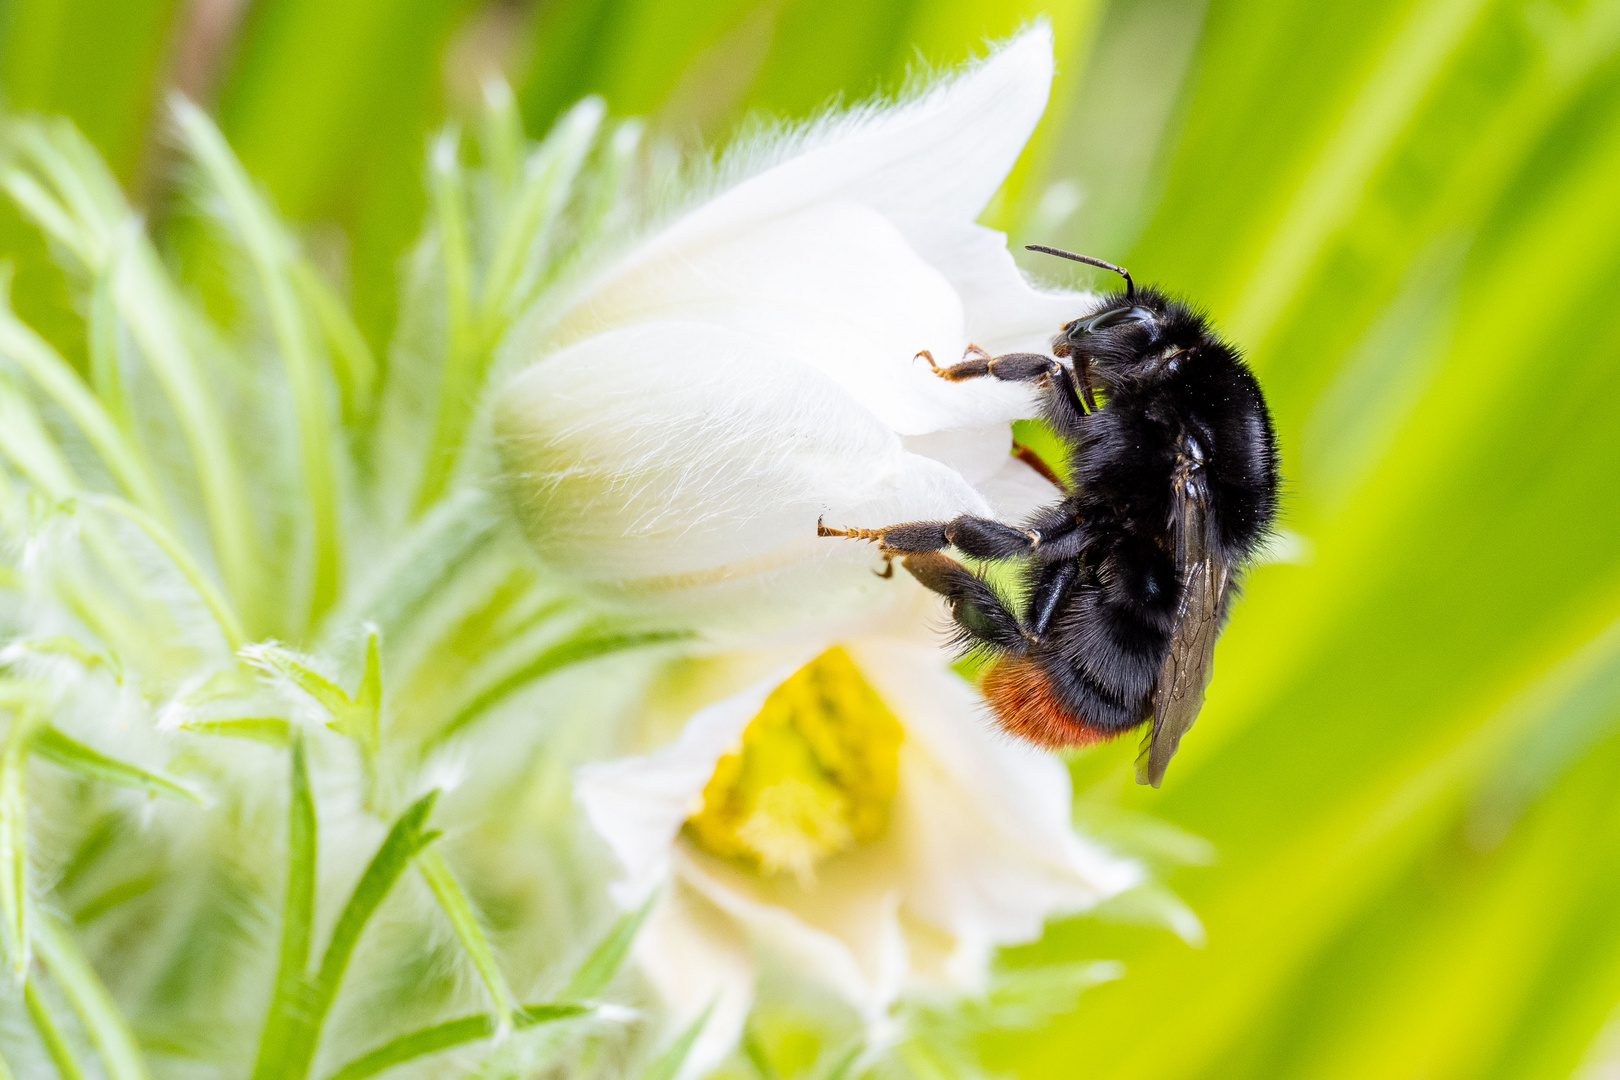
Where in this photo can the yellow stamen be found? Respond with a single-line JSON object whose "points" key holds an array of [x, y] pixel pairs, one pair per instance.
{"points": [[813, 775]]}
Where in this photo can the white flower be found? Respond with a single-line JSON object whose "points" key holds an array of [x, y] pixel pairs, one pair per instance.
{"points": [[751, 368], [855, 818]]}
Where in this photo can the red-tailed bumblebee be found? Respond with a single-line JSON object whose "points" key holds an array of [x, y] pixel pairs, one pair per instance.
{"points": [[1126, 581]]}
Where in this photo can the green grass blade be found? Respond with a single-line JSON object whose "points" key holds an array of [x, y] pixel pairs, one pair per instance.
{"points": [[49, 1034], [292, 991], [403, 842], [668, 1064], [52, 745], [451, 1033], [108, 1030], [437, 874], [598, 969]]}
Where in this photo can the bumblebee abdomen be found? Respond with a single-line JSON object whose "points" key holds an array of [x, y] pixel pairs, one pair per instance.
{"points": [[1027, 704]]}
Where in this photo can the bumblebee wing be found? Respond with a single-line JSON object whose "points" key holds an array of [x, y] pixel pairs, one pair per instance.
{"points": [[1180, 691]]}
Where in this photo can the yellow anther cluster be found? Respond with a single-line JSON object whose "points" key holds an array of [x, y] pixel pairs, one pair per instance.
{"points": [[813, 774]]}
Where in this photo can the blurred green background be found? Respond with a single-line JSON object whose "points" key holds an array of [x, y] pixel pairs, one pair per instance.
{"points": [[1407, 211]]}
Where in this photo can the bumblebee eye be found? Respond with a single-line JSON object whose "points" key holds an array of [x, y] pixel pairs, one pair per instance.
{"points": [[1112, 317]]}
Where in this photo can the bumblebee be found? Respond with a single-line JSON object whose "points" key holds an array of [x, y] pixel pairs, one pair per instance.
{"points": [[1126, 582]]}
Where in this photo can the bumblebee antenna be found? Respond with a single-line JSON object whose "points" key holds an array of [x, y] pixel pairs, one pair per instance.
{"points": [[1130, 286]]}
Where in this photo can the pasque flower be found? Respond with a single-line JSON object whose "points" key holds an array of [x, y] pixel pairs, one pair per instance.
{"points": [[853, 816], [703, 400]]}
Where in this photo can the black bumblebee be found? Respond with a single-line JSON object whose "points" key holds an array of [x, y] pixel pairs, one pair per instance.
{"points": [[1126, 582]]}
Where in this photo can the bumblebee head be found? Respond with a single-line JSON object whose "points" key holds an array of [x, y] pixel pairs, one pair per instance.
{"points": [[1122, 310]]}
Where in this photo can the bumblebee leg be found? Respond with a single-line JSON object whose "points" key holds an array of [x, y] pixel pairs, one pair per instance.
{"points": [[1051, 589], [896, 539], [980, 614], [982, 538]]}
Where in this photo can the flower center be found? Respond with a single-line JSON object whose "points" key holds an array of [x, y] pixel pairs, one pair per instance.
{"points": [[813, 774]]}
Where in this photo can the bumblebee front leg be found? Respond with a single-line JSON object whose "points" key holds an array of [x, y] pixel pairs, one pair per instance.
{"points": [[1023, 367], [982, 538]]}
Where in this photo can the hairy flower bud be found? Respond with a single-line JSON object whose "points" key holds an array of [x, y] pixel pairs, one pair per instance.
{"points": [[752, 367]]}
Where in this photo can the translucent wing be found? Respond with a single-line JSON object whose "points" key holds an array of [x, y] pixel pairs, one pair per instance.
{"points": [[1186, 670]]}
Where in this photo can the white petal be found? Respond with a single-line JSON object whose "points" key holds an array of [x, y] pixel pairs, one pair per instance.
{"points": [[697, 959], [941, 156], [843, 932], [1004, 312], [984, 821], [834, 286], [679, 448], [639, 804], [1015, 491]]}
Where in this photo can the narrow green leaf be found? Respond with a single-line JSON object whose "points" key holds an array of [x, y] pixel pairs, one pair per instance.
{"points": [[271, 730], [68, 645], [103, 902], [355, 717], [458, 1032], [108, 1030], [35, 356], [352, 362], [50, 1034], [404, 840], [270, 252], [575, 650], [447, 182], [52, 745], [218, 605], [432, 867], [292, 989], [667, 1064], [14, 835], [604, 961], [754, 1050]]}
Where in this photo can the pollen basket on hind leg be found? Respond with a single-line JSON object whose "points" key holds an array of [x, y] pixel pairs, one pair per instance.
{"points": [[1022, 698]]}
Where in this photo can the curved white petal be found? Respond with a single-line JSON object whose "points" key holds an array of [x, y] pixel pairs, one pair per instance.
{"points": [[698, 960], [834, 286], [942, 155], [1003, 312], [678, 448], [843, 933], [984, 821], [639, 804]]}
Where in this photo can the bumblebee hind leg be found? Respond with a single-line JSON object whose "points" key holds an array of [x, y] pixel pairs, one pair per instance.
{"points": [[981, 616]]}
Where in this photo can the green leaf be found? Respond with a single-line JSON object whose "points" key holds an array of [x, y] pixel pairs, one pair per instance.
{"points": [[451, 1033], [292, 990], [14, 876], [271, 253], [604, 961], [668, 1063], [53, 746], [106, 1026], [576, 649], [49, 1034], [355, 717], [271, 730], [402, 843], [454, 902]]}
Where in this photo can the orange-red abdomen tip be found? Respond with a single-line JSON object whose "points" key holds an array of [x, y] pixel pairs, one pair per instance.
{"points": [[1022, 698]]}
